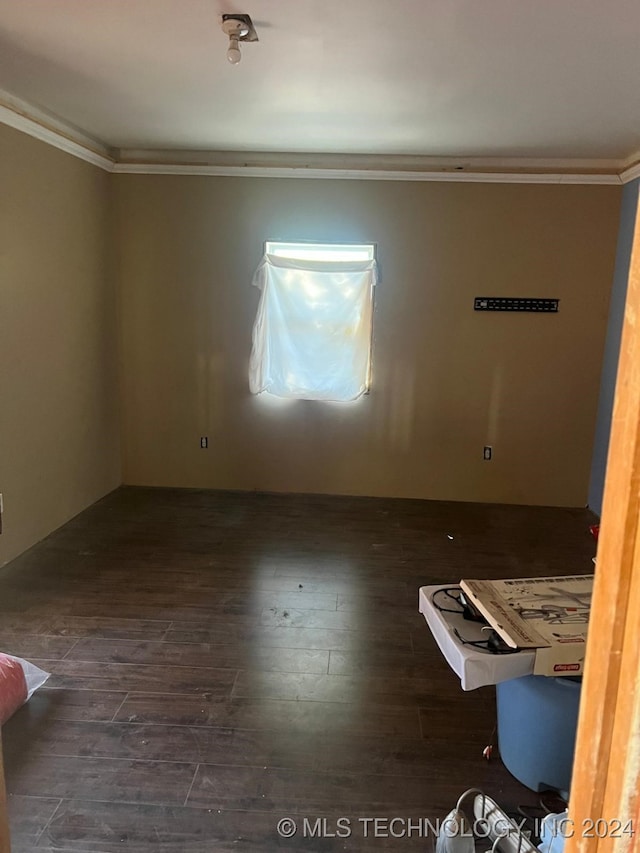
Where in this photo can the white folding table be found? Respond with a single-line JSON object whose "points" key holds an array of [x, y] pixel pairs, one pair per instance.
{"points": [[476, 667]]}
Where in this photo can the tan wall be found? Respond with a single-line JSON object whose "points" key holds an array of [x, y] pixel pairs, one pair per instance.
{"points": [[447, 380], [59, 429]]}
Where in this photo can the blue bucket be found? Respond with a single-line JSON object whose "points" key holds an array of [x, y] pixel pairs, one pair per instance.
{"points": [[537, 720]]}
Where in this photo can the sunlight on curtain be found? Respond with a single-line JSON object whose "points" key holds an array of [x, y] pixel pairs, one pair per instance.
{"points": [[312, 334]]}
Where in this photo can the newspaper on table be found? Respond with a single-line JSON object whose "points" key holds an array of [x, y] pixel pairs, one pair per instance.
{"points": [[549, 615]]}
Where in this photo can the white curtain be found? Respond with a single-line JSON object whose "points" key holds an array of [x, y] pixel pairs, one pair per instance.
{"points": [[312, 334]]}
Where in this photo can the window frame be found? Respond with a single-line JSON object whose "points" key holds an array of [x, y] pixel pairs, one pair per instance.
{"points": [[322, 244], [373, 246]]}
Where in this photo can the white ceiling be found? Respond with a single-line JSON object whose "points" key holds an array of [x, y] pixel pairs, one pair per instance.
{"points": [[438, 78]]}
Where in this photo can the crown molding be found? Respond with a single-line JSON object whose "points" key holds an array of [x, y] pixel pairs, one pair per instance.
{"points": [[39, 124], [46, 127], [630, 173], [370, 167], [365, 174], [368, 162]]}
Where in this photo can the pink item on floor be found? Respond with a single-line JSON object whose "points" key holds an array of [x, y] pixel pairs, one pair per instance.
{"points": [[18, 680]]}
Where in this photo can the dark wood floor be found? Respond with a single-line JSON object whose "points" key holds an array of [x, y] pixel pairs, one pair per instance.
{"points": [[222, 660]]}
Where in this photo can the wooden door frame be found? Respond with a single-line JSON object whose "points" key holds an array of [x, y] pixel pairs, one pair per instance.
{"points": [[606, 771]]}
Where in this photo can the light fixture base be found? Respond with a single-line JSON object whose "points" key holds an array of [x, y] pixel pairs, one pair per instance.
{"points": [[240, 26]]}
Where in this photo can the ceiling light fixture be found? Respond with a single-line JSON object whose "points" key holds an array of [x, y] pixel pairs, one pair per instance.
{"points": [[238, 28]]}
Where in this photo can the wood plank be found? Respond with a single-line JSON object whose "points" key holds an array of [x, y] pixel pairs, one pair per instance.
{"points": [[36, 645], [115, 779], [201, 654], [147, 601], [51, 704], [606, 774], [392, 664], [367, 691], [108, 626], [109, 677], [83, 739], [302, 792], [324, 639], [28, 818], [268, 714], [386, 622]]}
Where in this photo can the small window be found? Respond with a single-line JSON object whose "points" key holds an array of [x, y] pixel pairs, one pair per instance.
{"points": [[312, 334]]}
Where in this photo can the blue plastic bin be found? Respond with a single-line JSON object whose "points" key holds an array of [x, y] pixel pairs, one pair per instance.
{"points": [[537, 719]]}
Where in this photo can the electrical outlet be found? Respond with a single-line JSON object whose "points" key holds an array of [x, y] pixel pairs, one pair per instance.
{"points": [[487, 452], [204, 442]]}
